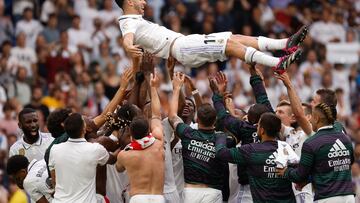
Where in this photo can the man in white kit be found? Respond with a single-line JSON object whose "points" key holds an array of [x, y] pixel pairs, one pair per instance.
{"points": [[195, 50], [33, 143], [73, 164], [32, 177]]}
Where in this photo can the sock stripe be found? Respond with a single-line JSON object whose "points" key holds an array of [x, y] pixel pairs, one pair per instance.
{"points": [[252, 55]]}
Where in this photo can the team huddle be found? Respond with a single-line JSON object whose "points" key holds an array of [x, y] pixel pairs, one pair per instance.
{"points": [[296, 152]]}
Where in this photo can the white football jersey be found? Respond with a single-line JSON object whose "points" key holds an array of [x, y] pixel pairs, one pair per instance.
{"points": [[36, 183], [151, 37]]}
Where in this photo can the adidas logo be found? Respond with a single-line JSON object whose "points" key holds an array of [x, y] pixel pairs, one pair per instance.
{"points": [[271, 159], [338, 149]]}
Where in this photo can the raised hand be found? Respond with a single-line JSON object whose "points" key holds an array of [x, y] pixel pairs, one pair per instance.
{"points": [[213, 85], [221, 81], [284, 78], [178, 80], [154, 80], [170, 65], [135, 51], [126, 76], [189, 83]]}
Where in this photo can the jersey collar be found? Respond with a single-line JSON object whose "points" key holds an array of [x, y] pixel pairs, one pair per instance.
{"points": [[77, 140], [326, 127], [132, 16], [27, 145], [31, 164]]}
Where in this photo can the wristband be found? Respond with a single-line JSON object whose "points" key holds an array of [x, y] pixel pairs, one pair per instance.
{"points": [[114, 138], [196, 91]]}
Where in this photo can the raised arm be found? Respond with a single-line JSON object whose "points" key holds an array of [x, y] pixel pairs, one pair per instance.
{"points": [[234, 125], [119, 96], [178, 81], [257, 84], [194, 92], [295, 103], [156, 125], [128, 43]]}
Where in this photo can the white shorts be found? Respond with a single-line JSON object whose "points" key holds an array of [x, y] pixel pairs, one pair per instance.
{"points": [[338, 199], [172, 197], [202, 195], [147, 199], [195, 50], [244, 195]]}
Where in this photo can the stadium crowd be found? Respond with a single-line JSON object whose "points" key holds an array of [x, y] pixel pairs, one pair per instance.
{"points": [[63, 56]]}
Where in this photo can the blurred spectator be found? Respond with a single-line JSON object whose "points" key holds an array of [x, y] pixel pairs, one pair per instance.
{"points": [[36, 97], [111, 80], [20, 89], [6, 26], [16, 194], [223, 21], [79, 38], [326, 30], [87, 15], [108, 15], [65, 13], [22, 56], [98, 101], [9, 124], [18, 7], [51, 33], [48, 8], [85, 89], [54, 100], [30, 27], [313, 67]]}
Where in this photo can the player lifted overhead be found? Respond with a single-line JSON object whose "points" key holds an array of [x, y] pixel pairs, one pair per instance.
{"points": [[195, 50]]}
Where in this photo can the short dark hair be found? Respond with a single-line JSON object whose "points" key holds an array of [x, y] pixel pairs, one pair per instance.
{"points": [[120, 3], [27, 9], [308, 109], [7, 107], [16, 163], [255, 112], [55, 120], [206, 115], [25, 111], [139, 128], [328, 97], [271, 124], [74, 125]]}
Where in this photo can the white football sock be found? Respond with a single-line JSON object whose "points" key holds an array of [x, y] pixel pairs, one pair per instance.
{"points": [[265, 43], [253, 55]]}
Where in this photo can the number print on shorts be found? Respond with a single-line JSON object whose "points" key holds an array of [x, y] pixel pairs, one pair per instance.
{"points": [[209, 39]]}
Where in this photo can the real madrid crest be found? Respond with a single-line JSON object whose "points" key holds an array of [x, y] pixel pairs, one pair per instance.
{"points": [[22, 151]]}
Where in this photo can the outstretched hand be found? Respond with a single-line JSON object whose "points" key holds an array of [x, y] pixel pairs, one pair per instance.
{"points": [[178, 80], [135, 51], [154, 80], [221, 81], [170, 65], [213, 85], [127, 76], [284, 78]]}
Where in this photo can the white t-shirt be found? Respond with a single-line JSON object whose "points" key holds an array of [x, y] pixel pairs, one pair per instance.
{"points": [[74, 162], [77, 37], [169, 183], [117, 185], [324, 32], [36, 183], [87, 16], [108, 16], [31, 29], [24, 57], [32, 151], [152, 37]]}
